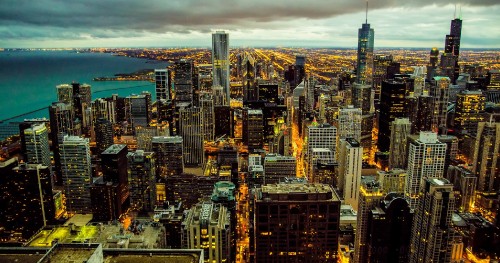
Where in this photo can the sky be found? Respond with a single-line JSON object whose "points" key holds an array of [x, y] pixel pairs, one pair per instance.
{"points": [[250, 23]]}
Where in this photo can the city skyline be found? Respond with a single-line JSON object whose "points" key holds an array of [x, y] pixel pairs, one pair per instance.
{"points": [[46, 24]]}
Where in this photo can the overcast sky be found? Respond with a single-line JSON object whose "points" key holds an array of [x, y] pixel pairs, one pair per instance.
{"points": [[306, 23]]}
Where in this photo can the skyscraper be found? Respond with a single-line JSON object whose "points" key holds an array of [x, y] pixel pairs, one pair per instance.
{"points": [[138, 109], [277, 167], [296, 223], [114, 169], [191, 130], [183, 81], [207, 226], [400, 129], [439, 93], [250, 91], [432, 230], [103, 135], [169, 155], [469, 111], [364, 65], [350, 164], [207, 110], [220, 62], [426, 158], [452, 45], [392, 106], [321, 136], [65, 93], [253, 128], [349, 123], [141, 166], [486, 160], [162, 84], [36, 145], [76, 174]]}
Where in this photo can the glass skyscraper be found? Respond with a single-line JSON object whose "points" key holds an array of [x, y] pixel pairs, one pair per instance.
{"points": [[364, 64], [220, 62]]}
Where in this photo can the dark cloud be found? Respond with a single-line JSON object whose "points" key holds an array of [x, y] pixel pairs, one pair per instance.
{"points": [[110, 18]]}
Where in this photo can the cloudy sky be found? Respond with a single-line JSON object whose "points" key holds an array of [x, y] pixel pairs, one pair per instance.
{"points": [[294, 23]]}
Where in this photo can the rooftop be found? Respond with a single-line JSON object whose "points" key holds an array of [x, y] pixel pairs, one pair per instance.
{"points": [[297, 192], [114, 149]]}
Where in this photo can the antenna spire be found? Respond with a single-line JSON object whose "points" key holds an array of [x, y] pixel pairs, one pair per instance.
{"points": [[460, 13], [366, 21], [455, 13]]}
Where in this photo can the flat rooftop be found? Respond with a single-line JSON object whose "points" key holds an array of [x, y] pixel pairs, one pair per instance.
{"points": [[77, 254], [297, 192], [152, 256]]}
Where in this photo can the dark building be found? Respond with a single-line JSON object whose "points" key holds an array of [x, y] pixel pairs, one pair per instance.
{"points": [[114, 169], [392, 106], [268, 92], [224, 121], [433, 63], [296, 223], [418, 111], [105, 200], [189, 188], [169, 156], [389, 228], [170, 215], [81, 100], [253, 129], [183, 82], [452, 50], [103, 135], [250, 91], [142, 170], [26, 202], [479, 235]]}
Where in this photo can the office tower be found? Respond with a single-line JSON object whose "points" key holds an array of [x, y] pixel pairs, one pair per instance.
{"points": [[426, 158], [277, 167], [389, 228], [250, 91], [296, 222], [319, 155], [103, 135], [76, 174], [65, 93], [224, 194], [464, 183], [82, 96], [27, 200], [350, 164], [142, 170], [321, 136], [105, 200], [469, 111], [493, 80], [361, 97], [104, 108], [61, 123], [170, 215], [207, 226], [439, 93], [169, 155], [224, 121], [253, 129], [163, 85], [183, 82], [392, 106], [191, 130], [432, 231], [208, 112], [144, 135], [220, 63], [364, 65], [400, 130], [114, 169], [451, 149], [349, 123], [419, 109], [486, 159], [384, 67], [138, 110], [433, 63], [35, 143], [452, 46], [220, 98], [370, 195]]}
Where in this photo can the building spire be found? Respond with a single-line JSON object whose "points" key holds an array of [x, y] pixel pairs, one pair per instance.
{"points": [[366, 21], [460, 13], [455, 13]]}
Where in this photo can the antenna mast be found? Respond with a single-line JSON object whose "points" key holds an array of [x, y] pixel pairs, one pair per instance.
{"points": [[455, 13], [366, 21]]}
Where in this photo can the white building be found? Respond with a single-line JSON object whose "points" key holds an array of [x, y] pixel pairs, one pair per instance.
{"points": [[350, 166]]}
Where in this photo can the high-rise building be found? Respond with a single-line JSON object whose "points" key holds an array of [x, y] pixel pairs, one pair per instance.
{"points": [[163, 89], [361, 97], [105, 200], [433, 63], [389, 228], [138, 109], [142, 170], [36, 145], [207, 226], [432, 230], [469, 111], [76, 174], [418, 111], [191, 130], [277, 167], [486, 160], [439, 93], [27, 200], [296, 222], [250, 91], [104, 108], [452, 46], [208, 112], [169, 155], [392, 106], [220, 63], [464, 183], [364, 65], [370, 195], [224, 193], [350, 164], [114, 169], [384, 68], [183, 81], [224, 121], [392, 180], [321, 136], [426, 159], [65, 93], [400, 130], [349, 123], [253, 128], [82, 97], [103, 135]]}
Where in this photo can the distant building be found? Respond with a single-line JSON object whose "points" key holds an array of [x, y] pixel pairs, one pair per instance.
{"points": [[465, 184], [183, 81], [364, 65], [220, 63], [163, 84], [296, 222]]}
